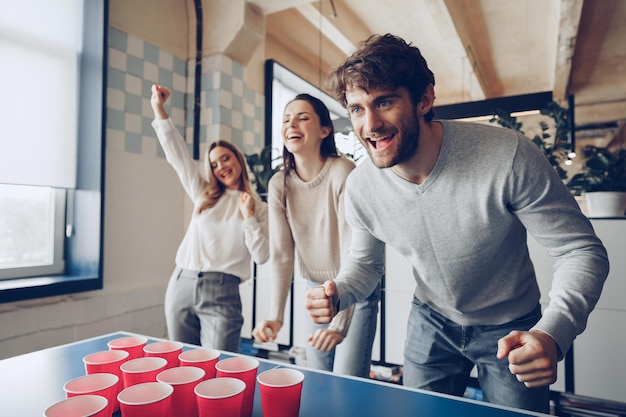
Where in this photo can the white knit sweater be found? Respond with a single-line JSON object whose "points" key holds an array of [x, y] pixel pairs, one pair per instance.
{"points": [[307, 219]]}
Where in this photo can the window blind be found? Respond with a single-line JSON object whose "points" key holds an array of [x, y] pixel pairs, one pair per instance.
{"points": [[40, 43]]}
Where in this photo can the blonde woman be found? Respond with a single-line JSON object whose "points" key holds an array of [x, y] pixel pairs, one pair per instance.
{"points": [[228, 229]]}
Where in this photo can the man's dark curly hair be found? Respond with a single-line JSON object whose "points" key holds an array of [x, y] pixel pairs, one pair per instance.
{"points": [[383, 62]]}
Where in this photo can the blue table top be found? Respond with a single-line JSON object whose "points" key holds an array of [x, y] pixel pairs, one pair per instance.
{"points": [[31, 382]]}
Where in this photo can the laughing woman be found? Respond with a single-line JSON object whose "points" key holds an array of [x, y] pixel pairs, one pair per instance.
{"points": [[228, 229], [307, 225]]}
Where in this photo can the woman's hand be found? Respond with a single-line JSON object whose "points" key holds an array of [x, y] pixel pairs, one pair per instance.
{"points": [[325, 340], [267, 330], [159, 96], [246, 205]]}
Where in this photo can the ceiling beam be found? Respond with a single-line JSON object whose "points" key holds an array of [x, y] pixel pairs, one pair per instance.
{"points": [[451, 20], [330, 31], [599, 112], [274, 6], [569, 21]]}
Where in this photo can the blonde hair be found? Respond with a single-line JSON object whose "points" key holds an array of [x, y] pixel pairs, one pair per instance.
{"points": [[214, 189]]}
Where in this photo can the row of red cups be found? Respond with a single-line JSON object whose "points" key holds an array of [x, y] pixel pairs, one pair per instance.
{"points": [[160, 379]]}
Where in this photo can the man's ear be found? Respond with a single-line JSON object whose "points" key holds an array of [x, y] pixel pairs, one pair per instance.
{"points": [[427, 101]]}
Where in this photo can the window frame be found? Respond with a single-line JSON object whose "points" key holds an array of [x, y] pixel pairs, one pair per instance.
{"points": [[83, 249], [58, 262]]}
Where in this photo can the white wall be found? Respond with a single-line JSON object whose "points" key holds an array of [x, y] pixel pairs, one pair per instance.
{"points": [[145, 208], [599, 367]]}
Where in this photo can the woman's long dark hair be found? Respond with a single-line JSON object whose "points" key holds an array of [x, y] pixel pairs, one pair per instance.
{"points": [[328, 147]]}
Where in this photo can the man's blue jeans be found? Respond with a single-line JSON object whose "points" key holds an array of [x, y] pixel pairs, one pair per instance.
{"points": [[439, 355]]}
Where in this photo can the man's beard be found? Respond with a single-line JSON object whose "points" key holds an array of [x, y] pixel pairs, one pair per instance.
{"points": [[406, 147]]}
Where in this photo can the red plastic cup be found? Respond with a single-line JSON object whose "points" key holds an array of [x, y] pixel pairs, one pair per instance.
{"points": [[107, 362], [147, 399], [105, 385], [201, 358], [220, 397], [168, 349], [81, 406], [183, 379], [140, 370], [281, 390], [243, 368], [131, 344]]}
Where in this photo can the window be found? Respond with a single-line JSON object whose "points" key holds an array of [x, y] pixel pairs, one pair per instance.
{"points": [[39, 256], [32, 221]]}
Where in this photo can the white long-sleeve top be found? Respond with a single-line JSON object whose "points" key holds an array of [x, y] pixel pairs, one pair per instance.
{"points": [[218, 239]]}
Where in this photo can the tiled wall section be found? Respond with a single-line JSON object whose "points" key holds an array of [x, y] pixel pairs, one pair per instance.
{"points": [[134, 65], [229, 109]]}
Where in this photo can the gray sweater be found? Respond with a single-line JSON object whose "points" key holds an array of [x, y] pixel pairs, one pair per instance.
{"points": [[464, 232]]}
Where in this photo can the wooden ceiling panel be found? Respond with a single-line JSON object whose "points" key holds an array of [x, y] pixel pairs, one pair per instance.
{"points": [[482, 48], [600, 58], [303, 41]]}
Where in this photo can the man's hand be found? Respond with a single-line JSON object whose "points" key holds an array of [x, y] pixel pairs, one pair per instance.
{"points": [[532, 357], [321, 302], [325, 339]]}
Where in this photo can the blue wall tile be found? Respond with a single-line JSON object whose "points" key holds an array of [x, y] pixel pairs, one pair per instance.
{"points": [[177, 99], [180, 66], [116, 79], [133, 104], [132, 143], [237, 138], [207, 81], [217, 115], [150, 53], [166, 77], [146, 87], [115, 119], [135, 66], [203, 138], [237, 70], [226, 82], [248, 94], [146, 126], [238, 103], [248, 124], [226, 116], [212, 98], [118, 39]]}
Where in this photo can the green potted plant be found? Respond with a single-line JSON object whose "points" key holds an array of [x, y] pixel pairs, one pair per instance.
{"points": [[602, 181], [261, 166], [555, 147]]}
